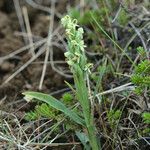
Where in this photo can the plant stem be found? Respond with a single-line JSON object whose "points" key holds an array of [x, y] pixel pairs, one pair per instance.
{"points": [[92, 138], [77, 61], [82, 94]]}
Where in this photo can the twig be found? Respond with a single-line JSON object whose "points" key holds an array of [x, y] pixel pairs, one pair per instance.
{"points": [[40, 7], [117, 14], [117, 89], [26, 64], [54, 144], [49, 39], [141, 38], [20, 17], [29, 33], [20, 50]]}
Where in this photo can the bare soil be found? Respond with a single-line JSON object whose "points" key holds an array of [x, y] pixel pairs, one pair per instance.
{"points": [[29, 78]]}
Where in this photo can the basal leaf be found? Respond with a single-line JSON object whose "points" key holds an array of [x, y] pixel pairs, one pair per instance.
{"points": [[53, 102]]}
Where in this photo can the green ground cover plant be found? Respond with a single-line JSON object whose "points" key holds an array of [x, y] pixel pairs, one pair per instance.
{"points": [[146, 120], [141, 75]]}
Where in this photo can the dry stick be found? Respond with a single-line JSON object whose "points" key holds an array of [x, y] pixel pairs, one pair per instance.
{"points": [[29, 33], [33, 4], [141, 38], [61, 38], [41, 133], [32, 134], [129, 42], [144, 45], [51, 53], [44, 69], [49, 43], [26, 64], [20, 132], [10, 140], [36, 44], [59, 71], [118, 89], [54, 144], [10, 130], [56, 137], [52, 61], [117, 14], [112, 40], [48, 62], [49, 39], [33, 139], [43, 8], [20, 18], [34, 37], [136, 128], [54, 68], [22, 49]]}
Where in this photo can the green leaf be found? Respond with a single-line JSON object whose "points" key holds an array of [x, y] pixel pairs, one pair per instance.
{"points": [[67, 98], [53, 102], [146, 117], [45, 110], [84, 139], [31, 116]]}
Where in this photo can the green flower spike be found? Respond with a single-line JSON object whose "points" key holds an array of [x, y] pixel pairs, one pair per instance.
{"points": [[77, 61], [75, 54]]}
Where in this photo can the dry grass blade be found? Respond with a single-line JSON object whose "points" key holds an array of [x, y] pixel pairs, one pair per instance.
{"points": [[49, 40], [20, 17], [41, 51], [13, 54], [118, 89], [29, 33]]}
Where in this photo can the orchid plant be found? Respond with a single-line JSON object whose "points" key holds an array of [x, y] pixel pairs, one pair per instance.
{"points": [[77, 61]]}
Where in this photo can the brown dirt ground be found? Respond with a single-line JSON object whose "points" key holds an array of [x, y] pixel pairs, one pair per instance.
{"points": [[29, 78]]}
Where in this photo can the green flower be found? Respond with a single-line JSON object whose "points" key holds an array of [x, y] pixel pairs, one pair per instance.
{"points": [[75, 54]]}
